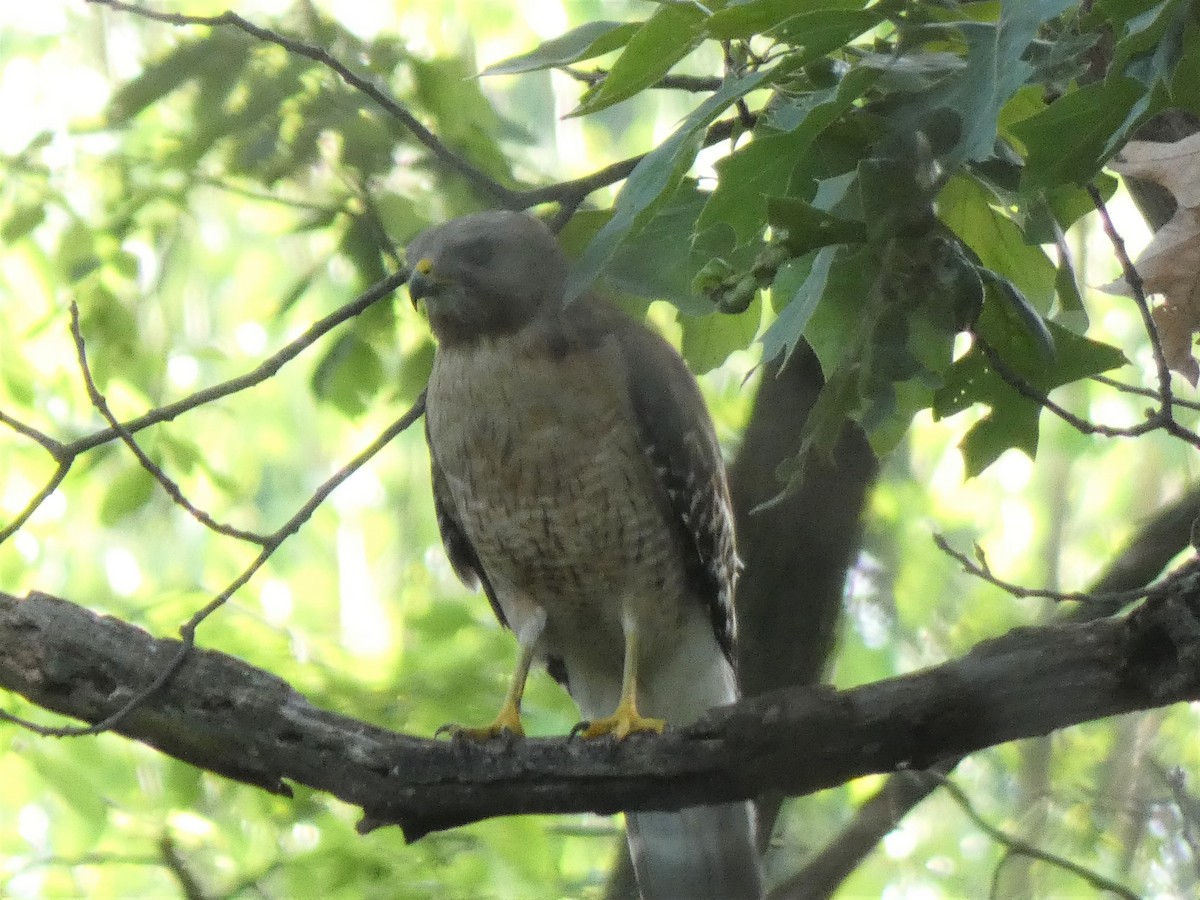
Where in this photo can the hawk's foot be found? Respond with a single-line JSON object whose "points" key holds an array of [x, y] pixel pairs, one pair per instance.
{"points": [[507, 722], [622, 723]]}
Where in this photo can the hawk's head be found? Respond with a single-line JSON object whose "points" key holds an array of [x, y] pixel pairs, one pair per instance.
{"points": [[485, 274]]}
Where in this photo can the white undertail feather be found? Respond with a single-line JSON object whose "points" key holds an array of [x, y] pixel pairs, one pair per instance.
{"points": [[703, 852]]}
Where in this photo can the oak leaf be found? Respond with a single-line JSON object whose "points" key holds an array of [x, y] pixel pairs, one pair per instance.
{"points": [[1170, 264]]}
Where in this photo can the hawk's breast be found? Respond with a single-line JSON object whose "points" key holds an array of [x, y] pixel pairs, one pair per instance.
{"points": [[547, 478]]}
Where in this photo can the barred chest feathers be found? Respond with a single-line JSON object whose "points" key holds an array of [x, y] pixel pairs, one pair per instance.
{"points": [[554, 493]]}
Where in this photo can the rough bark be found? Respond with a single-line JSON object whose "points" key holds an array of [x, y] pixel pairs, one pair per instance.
{"points": [[221, 714]]}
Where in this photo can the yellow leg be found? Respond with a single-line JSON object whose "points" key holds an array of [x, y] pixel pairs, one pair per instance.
{"points": [[626, 720], [508, 720]]}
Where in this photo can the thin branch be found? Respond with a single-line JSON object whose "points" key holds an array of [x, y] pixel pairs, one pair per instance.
{"points": [[566, 193], [265, 196], [66, 454], [264, 370], [361, 83], [576, 190], [165, 481], [1021, 847], [174, 863], [980, 569], [90, 859], [1134, 279], [1013, 379], [18, 522], [1143, 392], [47, 443], [188, 630]]}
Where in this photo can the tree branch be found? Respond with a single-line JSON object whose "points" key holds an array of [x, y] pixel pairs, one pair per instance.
{"points": [[479, 179], [65, 454], [222, 714]]}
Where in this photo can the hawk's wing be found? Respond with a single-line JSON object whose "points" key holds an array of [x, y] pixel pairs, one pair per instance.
{"points": [[677, 437], [459, 549]]}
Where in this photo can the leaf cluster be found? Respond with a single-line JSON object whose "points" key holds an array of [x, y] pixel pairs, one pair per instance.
{"points": [[900, 174]]}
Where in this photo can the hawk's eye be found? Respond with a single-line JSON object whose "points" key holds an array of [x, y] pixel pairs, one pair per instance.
{"points": [[478, 252]]}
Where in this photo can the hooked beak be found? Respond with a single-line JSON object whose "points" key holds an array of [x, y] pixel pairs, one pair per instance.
{"points": [[421, 283]]}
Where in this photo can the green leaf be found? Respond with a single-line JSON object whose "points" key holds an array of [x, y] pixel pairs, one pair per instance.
{"points": [[808, 228], [1151, 42], [182, 64], [462, 116], [748, 176], [585, 42], [126, 494], [788, 329], [1067, 141], [912, 72], [744, 20], [708, 340], [819, 33], [1030, 319], [767, 166], [77, 256], [995, 71], [660, 260], [664, 39], [22, 221], [837, 324], [1071, 312], [896, 190], [967, 208], [656, 175], [349, 375], [1013, 419]]}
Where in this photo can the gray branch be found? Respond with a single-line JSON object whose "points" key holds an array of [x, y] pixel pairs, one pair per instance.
{"points": [[224, 715]]}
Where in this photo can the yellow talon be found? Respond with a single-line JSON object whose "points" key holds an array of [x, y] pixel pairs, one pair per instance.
{"points": [[626, 719], [622, 723], [508, 721]]}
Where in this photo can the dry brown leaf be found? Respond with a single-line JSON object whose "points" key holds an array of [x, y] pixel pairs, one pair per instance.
{"points": [[1170, 265], [1175, 166]]}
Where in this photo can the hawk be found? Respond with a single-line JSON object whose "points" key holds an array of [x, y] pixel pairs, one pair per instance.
{"points": [[577, 479]]}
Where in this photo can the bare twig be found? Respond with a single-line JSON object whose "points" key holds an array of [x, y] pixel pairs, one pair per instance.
{"points": [[505, 196], [265, 196], [264, 370], [1134, 279], [980, 569], [188, 631], [65, 454], [1017, 846], [170, 486], [1023, 387], [18, 522], [568, 194], [173, 862], [572, 193], [49, 444], [1142, 392]]}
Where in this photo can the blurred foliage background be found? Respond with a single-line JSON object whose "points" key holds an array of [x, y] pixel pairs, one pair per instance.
{"points": [[204, 197]]}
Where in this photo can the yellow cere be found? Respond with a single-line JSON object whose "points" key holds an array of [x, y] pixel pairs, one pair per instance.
{"points": [[424, 265]]}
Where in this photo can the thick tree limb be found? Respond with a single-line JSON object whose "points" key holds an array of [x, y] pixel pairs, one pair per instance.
{"points": [[226, 716]]}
